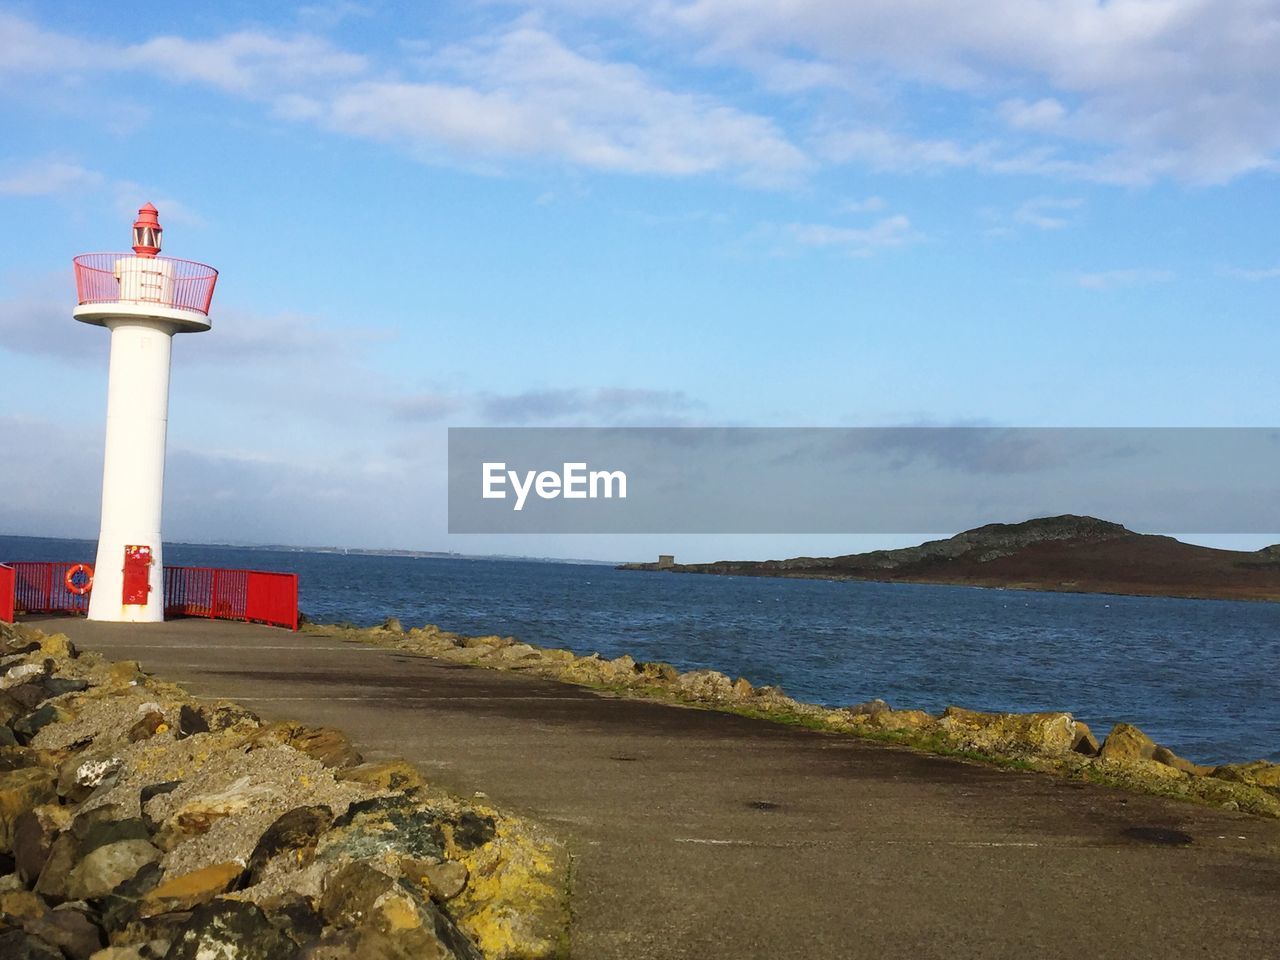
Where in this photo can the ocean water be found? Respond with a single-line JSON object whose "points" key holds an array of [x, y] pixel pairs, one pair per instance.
{"points": [[1201, 676]]}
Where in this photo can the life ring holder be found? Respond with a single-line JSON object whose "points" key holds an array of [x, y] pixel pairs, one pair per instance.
{"points": [[79, 589]]}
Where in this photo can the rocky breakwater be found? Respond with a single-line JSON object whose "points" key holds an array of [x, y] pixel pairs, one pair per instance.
{"points": [[137, 822], [1052, 742]]}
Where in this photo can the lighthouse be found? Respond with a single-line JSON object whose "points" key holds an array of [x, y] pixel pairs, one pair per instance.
{"points": [[143, 299]]}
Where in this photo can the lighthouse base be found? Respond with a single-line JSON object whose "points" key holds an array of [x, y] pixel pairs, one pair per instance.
{"points": [[128, 583]]}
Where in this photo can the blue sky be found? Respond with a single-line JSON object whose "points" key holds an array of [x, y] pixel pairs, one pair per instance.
{"points": [[722, 212]]}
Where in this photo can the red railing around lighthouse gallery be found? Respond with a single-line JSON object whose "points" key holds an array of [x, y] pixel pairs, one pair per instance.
{"points": [[256, 596], [181, 284]]}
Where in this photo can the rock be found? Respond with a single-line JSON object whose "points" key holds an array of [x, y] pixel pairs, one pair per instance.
{"points": [[1170, 759], [1044, 733], [69, 927], [869, 708], [21, 791], [230, 930], [1086, 743], [84, 773], [122, 907], [657, 672], [25, 728], [383, 825], [103, 869], [1126, 742], [191, 721], [123, 673], [191, 889], [471, 830], [892, 721], [7, 739], [742, 689], [20, 674], [63, 856], [10, 708], [296, 832], [20, 945], [1259, 773], [392, 624], [147, 726], [58, 645], [33, 837], [57, 686], [195, 815], [358, 896], [101, 833], [389, 775], [329, 747], [708, 685], [157, 790], [22, 905], [439, 881], [28, 696]]}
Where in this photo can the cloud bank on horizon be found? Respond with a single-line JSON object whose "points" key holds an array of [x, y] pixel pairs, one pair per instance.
{"points": [[633, 213]]}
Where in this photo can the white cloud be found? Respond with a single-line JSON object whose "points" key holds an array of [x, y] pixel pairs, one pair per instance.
{"points": [[891, 231], [867, 205], [1110, 279], [1047, 213], [1265, 273], [246, 63], [1180, 88], [48, 178], [524, 93]]}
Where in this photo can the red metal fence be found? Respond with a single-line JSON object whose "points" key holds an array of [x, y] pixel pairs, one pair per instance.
{"points": [[42, 588], [254, 595], [179, 283], [251, 595], [6, 593]]}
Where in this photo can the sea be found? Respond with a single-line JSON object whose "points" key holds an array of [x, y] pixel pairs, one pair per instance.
{"points": [[1200, 676]]}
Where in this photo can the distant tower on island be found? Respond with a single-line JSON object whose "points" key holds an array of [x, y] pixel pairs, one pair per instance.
{"points": [[143, 299]]}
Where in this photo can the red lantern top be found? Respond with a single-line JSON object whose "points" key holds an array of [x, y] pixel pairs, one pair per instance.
{"points": [[146, 232]]}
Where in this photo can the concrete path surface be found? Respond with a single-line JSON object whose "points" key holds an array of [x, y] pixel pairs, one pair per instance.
{"points": [[704, 835]]}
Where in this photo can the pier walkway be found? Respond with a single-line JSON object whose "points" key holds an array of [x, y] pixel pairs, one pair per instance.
{"points": [[703, 835]]}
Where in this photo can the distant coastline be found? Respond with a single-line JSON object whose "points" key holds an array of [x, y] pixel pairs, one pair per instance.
{"points": [[1065, 554]]}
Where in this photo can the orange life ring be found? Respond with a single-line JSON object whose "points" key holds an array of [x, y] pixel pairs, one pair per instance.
{"points": [[79, 589]]}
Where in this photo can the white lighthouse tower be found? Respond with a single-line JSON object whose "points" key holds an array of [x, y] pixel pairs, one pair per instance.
{"points": [[143, 299]]}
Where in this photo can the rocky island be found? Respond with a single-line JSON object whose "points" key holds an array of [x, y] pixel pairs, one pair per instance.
{"points": [[1066, 553]]}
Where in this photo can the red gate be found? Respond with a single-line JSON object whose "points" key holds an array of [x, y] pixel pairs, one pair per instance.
{"points": [[6, 593]]}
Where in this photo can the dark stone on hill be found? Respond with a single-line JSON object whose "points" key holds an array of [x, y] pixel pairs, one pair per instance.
{"points": [[26, 727], [84, 773], [113, 831], [473, 831], [8, 864], [86, 821], [7, 739], [297, 917], [191, 721], [147, 726], [375, 826], [57, 686], [230, 929], [33, 837], [158, 789], [71, 928], [63, 855], [121, 906], [29, 695], [20, 945], [296, 831]]}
